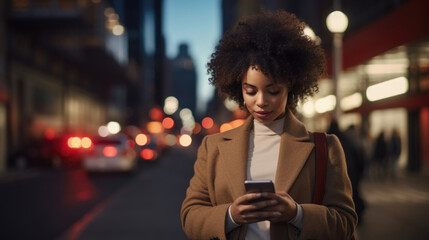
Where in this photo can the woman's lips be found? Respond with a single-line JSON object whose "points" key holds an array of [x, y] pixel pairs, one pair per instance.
{"points": [[262, 114]]}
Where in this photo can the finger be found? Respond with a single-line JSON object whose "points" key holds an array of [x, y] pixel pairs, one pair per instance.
{"points": [[246, 198], [273, 196], [264, 204], [258, 206]]}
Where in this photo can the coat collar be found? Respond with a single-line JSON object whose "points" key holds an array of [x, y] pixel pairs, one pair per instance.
{"points": [[295, 148]]}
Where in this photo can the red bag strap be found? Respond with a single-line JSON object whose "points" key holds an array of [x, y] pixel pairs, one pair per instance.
{"points": [[321, 165], [321, 155]]}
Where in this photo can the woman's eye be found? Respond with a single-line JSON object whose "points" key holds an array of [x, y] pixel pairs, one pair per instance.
{"points": [[250, 93], [274, 92]]}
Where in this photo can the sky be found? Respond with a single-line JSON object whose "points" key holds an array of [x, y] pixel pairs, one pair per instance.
{"points": [[197, 23]]}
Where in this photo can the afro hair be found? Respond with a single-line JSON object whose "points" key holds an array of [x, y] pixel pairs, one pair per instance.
{"points": [[276, 44]]}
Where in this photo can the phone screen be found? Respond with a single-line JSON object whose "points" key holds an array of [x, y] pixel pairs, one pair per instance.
{"points": [[255, 186]]}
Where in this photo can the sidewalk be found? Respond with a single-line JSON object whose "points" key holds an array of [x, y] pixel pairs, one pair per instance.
{"points": [[396, 209]]}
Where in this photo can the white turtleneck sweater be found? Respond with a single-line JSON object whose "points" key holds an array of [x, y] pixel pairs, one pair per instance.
{"points": [[264, 147], [263, 156]]}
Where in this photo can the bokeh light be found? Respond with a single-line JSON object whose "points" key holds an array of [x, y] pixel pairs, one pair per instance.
{"points": [[326, 104], [185, 114], [113, 127], [86, 142], [103, 131], [387, 89], [168, 123], [109, 151], [148, 154], [230, 104], [155, 127], [170, 140], [171, 104], [118, 30], [142, 139], [156, 114], [236, 123], [308, 109], [74, 142], [197, 128], [185, 140], [207, 123], [225, 127]]}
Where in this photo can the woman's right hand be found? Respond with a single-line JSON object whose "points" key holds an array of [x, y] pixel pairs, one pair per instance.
{"points": [[244, 210]]}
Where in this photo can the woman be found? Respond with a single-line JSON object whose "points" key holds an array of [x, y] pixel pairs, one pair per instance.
{"points": [[266, 64]]}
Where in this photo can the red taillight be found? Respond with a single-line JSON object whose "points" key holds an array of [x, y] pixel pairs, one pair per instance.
{"points": [[86, 142], [77, 142], [110, 151], [148, 154], [74, 142]]}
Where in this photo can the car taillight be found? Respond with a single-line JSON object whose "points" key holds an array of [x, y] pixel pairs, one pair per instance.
{"points": [[86, 142], [77, 142], [109, 151], [74, 142], [148, 154]]}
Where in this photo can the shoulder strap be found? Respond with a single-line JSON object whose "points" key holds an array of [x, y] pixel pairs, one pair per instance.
{"points": [[321, 164], [321, 155]]}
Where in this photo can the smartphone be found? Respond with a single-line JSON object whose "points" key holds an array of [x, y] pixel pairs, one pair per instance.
{"points": [[254, 186]]}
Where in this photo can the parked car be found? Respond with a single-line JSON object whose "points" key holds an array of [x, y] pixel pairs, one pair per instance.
{"points": [[63, 150], [112, 153]]}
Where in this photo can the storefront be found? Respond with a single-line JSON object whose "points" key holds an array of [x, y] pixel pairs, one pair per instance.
{"points": [[385, 82]]}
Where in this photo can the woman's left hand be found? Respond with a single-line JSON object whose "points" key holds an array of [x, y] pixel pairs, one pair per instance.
{"points": [[286, 206]]}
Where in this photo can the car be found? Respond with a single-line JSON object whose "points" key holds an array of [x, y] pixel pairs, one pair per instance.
{"points": [[62, 150], [112, 153]]}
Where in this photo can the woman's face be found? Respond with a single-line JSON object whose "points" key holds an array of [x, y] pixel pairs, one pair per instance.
{"points": [[264, 99]]}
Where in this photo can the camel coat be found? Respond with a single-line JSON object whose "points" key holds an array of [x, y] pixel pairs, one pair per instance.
{"points": [[220, 171]]}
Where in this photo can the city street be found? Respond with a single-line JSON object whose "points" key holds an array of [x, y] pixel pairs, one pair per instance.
{"points": [[147, 208], [69, 204], [44, 203]]}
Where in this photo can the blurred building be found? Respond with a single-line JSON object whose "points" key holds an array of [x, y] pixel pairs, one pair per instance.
{"points": [[154, 60], [182, 79], [65, 68], [385, 40], [3, 88]]}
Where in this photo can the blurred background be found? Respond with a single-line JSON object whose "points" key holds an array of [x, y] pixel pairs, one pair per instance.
{"points": [[103, 104]]}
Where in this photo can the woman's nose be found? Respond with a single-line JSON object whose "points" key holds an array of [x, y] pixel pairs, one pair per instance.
{"points": [[261, 101]]}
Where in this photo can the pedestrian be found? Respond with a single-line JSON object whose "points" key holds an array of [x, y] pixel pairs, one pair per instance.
{"points": [[394, 152], [380, 157], [355, 159], [266, 64]]}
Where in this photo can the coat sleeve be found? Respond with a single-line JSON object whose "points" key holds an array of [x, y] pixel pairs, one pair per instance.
{"points": [[201, 219], [336, 217]]}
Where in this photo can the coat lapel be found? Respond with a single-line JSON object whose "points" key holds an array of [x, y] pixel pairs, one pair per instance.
{"points": [[295, 149], [234, 152]]}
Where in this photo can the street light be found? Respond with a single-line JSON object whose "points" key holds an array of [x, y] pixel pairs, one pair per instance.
{"points": [[337, 23]]}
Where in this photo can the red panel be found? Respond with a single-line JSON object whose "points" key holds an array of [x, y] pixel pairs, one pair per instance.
{"points": [[407, 24], [3, 91], [424, 128]]}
